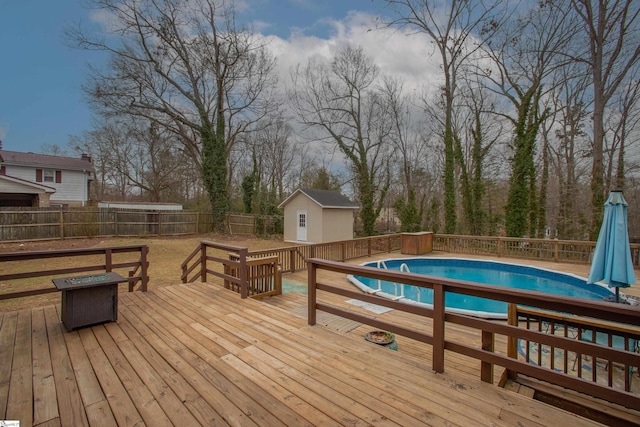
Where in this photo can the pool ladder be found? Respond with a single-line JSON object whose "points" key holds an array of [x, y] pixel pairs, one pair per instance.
{"points": [[403, 268]]}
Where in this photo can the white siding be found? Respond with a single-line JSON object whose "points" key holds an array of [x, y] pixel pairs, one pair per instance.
{"points": [[72, 189]]}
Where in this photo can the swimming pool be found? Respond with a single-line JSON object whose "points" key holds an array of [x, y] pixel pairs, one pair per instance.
{"points": [[487, 272]]}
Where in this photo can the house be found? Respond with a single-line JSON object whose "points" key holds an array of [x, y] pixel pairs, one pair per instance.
{"points": [[40, 180], [317, 216]]}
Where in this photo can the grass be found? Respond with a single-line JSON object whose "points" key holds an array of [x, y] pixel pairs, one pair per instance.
{"points": [[165, 257]]}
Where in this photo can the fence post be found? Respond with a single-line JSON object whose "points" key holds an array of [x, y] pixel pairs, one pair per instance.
{"points": [[369, 245], [115, 222], [556, 252], [197, 222], [244, 286], [438, 328]]}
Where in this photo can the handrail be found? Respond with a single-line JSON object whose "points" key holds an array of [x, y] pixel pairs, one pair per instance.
{"points": [[137, 273], [203, 258], [343, 250], [485, 352]]}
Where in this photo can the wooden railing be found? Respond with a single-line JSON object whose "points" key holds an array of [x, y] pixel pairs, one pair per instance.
{"points": [[570, 251], [250, 276], [293, 258], [485, 351], [592, 366], [84, 261]]}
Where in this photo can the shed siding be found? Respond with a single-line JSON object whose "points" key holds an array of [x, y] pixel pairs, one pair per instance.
{"points": [[323, 225], [338, 224]]}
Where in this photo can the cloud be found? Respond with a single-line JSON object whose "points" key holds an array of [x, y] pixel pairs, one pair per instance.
{"points": [[409, 57]]}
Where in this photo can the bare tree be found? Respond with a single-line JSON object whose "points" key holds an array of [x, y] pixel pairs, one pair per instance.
{"points": [[612, 32], [525, 54], [457, 28], [187, 67], [342, 102]]}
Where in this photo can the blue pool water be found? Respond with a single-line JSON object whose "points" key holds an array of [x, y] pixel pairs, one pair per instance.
{"points": [[487, 272]]}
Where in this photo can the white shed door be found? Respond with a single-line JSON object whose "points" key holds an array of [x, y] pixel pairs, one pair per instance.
{"points": [[301, 229]]}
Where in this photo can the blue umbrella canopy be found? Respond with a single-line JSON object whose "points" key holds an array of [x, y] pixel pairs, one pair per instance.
{"points": [[612, 256]]}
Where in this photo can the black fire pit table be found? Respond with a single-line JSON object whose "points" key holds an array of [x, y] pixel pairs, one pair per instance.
{"points": [[87, 300]]}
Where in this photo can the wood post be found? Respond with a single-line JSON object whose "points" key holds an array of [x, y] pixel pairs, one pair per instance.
{"points": [[438, 328], [203, 262], [512, 342], [144, 268], [108, 261], [244, 285], [311, 280], [486, 368]]}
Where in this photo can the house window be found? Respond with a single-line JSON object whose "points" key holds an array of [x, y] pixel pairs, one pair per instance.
{"points": [[48, 175], [302, 220]]}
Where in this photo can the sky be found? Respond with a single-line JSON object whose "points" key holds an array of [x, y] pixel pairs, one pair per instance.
{"points": [[41, 100]]}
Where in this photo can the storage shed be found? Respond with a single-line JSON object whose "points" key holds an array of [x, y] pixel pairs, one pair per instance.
{"points": [[317, 216]]}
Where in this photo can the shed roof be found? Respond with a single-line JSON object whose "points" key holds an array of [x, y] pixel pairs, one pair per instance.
{"points": [[324, 198], [45, 160]]}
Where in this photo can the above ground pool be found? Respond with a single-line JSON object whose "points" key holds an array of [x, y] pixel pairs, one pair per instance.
{"points": [[487, 272]]}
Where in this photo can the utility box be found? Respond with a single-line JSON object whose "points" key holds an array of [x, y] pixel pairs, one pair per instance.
{"points": [[416, 243]]}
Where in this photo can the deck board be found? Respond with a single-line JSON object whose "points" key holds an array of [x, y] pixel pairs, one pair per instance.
{"points": [[197, 354]]}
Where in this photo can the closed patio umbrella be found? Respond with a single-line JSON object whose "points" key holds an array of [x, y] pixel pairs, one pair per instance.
{"points": [[612, 256]]}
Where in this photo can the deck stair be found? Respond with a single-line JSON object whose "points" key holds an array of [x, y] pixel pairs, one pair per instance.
{"points": [[572, 401]]}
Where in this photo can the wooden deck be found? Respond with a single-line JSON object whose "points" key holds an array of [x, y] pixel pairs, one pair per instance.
{"points": [[197, 354]]}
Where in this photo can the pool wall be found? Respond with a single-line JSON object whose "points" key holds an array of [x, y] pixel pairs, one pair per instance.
{"points": [[394, 264]]}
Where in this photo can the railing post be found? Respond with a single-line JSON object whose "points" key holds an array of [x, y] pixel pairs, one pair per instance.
{"points": [[143, 268], [499, 247], [438, 328], [342, 255], [292, 260], [486, 368], [369, 245], [311, 280], [244, 285], [203, 262], [512, 342], [389, 244], [556, 251], [108, 262]]}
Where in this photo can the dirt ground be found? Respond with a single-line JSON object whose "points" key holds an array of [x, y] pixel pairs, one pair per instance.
{"points": [[165, 258]]}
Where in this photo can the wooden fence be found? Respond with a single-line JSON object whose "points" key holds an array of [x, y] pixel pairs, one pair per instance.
{"points": [[570, 251], [50, 224]]}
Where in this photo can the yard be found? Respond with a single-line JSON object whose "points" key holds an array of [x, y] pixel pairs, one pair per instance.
{"points": [[165, 257]]}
